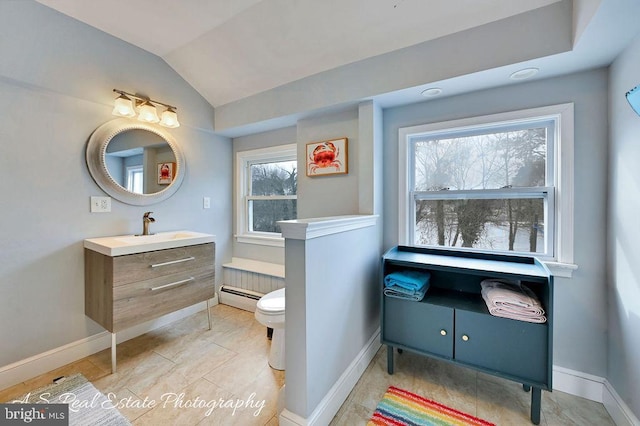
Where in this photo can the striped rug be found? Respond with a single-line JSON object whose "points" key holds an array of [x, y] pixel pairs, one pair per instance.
{"points": [[399, 407]]}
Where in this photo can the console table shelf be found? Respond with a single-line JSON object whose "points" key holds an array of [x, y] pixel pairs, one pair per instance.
{"points": [[453, 322]]}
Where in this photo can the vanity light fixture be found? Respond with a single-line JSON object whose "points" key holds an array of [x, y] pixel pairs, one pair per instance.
{"points": [[169, 118], [123, 106], [126, 105], [148, 113]]}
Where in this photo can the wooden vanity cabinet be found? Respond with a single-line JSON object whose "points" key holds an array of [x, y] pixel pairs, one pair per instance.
{"points": [[122, 291], [453, 323]]}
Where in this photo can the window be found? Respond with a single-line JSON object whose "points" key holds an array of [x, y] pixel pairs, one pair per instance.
{"points": [[135, 176], [267, 181], [491, 184]]}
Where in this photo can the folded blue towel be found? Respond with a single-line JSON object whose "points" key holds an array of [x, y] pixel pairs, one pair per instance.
{"points": [[400, 293], [410, 280]]}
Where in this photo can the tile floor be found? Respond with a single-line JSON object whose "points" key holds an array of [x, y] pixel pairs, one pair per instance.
{"points": [[229, 363], [497, 400]]}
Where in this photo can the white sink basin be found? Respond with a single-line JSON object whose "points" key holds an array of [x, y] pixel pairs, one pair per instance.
{"points": [[163, 236], [131, 244]]}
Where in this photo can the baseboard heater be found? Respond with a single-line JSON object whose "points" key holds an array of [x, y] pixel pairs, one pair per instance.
{"points": [[239, 297]]}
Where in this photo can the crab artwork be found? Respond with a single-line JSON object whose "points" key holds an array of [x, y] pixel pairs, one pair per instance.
{"points": [[324, 158]]}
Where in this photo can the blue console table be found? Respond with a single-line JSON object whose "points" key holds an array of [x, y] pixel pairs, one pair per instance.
{"points": [[453, 323]]}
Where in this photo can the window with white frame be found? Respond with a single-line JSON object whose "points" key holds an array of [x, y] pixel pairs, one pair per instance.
{"points": [[135, 179], [499, 183], [266, 181]]}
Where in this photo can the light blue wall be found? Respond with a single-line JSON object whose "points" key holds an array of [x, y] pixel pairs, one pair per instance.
{"points": [[333, 306], [56, 77], [331, 195], [277, 137], [624, 234], [580, 329]]}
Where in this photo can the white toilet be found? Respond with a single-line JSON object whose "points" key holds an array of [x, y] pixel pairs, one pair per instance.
{"points": [[270, 313]]}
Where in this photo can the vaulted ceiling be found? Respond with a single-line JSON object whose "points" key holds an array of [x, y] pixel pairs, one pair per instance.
{"points": [[230, 50]]}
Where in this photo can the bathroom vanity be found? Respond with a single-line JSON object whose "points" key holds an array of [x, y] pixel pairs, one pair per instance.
{"points": [[132, 279], [452, 322]]}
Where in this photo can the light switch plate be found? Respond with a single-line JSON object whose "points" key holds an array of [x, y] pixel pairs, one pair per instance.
{"points": [[100, 204], [206, 203]]}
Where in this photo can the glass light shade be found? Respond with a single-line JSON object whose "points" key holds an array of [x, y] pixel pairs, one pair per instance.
{"points": [[123, 107], [169, 118], [148, 113], [633, 96]]}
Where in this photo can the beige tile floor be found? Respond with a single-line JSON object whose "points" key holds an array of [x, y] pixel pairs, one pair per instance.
{"points": [[229, 363], [497, 400]]}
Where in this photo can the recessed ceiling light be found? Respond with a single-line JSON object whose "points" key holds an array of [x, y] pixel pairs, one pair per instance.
{"points": [[524, 74], [432, 91]]}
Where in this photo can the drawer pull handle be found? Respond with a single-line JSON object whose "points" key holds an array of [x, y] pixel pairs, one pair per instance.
{"points": [[443, 332], [465, 337], [173, 262], [160, 287]]}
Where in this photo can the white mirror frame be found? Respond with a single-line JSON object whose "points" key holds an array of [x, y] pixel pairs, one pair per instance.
{"points": [[96, 161]]}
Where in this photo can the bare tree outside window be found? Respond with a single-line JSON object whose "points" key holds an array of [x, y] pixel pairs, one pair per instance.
{"points": [[272, 197], [477, 190]]}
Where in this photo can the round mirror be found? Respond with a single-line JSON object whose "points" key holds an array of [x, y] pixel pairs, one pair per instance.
{"points": [[135, 162]]}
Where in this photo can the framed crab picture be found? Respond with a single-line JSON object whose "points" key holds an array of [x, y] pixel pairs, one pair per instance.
{"points": [[327, 157], [165, 173]]}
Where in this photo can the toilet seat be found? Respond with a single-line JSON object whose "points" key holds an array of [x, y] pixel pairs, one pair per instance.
{"points": [[272, 303]]}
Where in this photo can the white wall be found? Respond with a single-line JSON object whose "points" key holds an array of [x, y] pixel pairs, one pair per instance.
{"points": [[580, 327], [623, 233], [56, 77]]}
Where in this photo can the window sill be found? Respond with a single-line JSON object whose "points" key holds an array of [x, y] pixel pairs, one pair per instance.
{"points": [[260, 240], [559, 269], [256, 266]]}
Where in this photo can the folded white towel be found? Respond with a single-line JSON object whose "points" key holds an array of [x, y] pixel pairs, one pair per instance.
{"points": [[511, 300], [498, 312]]}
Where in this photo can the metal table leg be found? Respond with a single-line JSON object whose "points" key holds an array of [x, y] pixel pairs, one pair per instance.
{"points": [[113, 353]]}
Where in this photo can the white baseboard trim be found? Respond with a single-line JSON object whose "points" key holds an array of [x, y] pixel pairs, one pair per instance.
{"points": [[337, 395], [287, 418], [617, 408], [578, 383], [597, 389], [33, 366]]}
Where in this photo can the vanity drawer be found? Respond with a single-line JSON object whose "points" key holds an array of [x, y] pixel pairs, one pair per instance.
{"points": [[146, 266], [144, 300]]}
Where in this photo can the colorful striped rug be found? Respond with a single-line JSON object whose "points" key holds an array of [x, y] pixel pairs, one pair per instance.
{"points": [[399, 407]]}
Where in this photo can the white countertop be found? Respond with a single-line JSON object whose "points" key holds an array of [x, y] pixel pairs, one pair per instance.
{"points": [[131, 244]]}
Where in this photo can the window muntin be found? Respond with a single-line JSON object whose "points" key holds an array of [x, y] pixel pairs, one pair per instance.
{"points": [[266, 193]]}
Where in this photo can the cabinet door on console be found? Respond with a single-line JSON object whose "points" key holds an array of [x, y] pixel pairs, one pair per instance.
{"points": [[511, 347], [419, 325]]}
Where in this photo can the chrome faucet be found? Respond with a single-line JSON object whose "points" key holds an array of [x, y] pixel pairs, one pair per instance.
{"points": [[146, 220]]}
